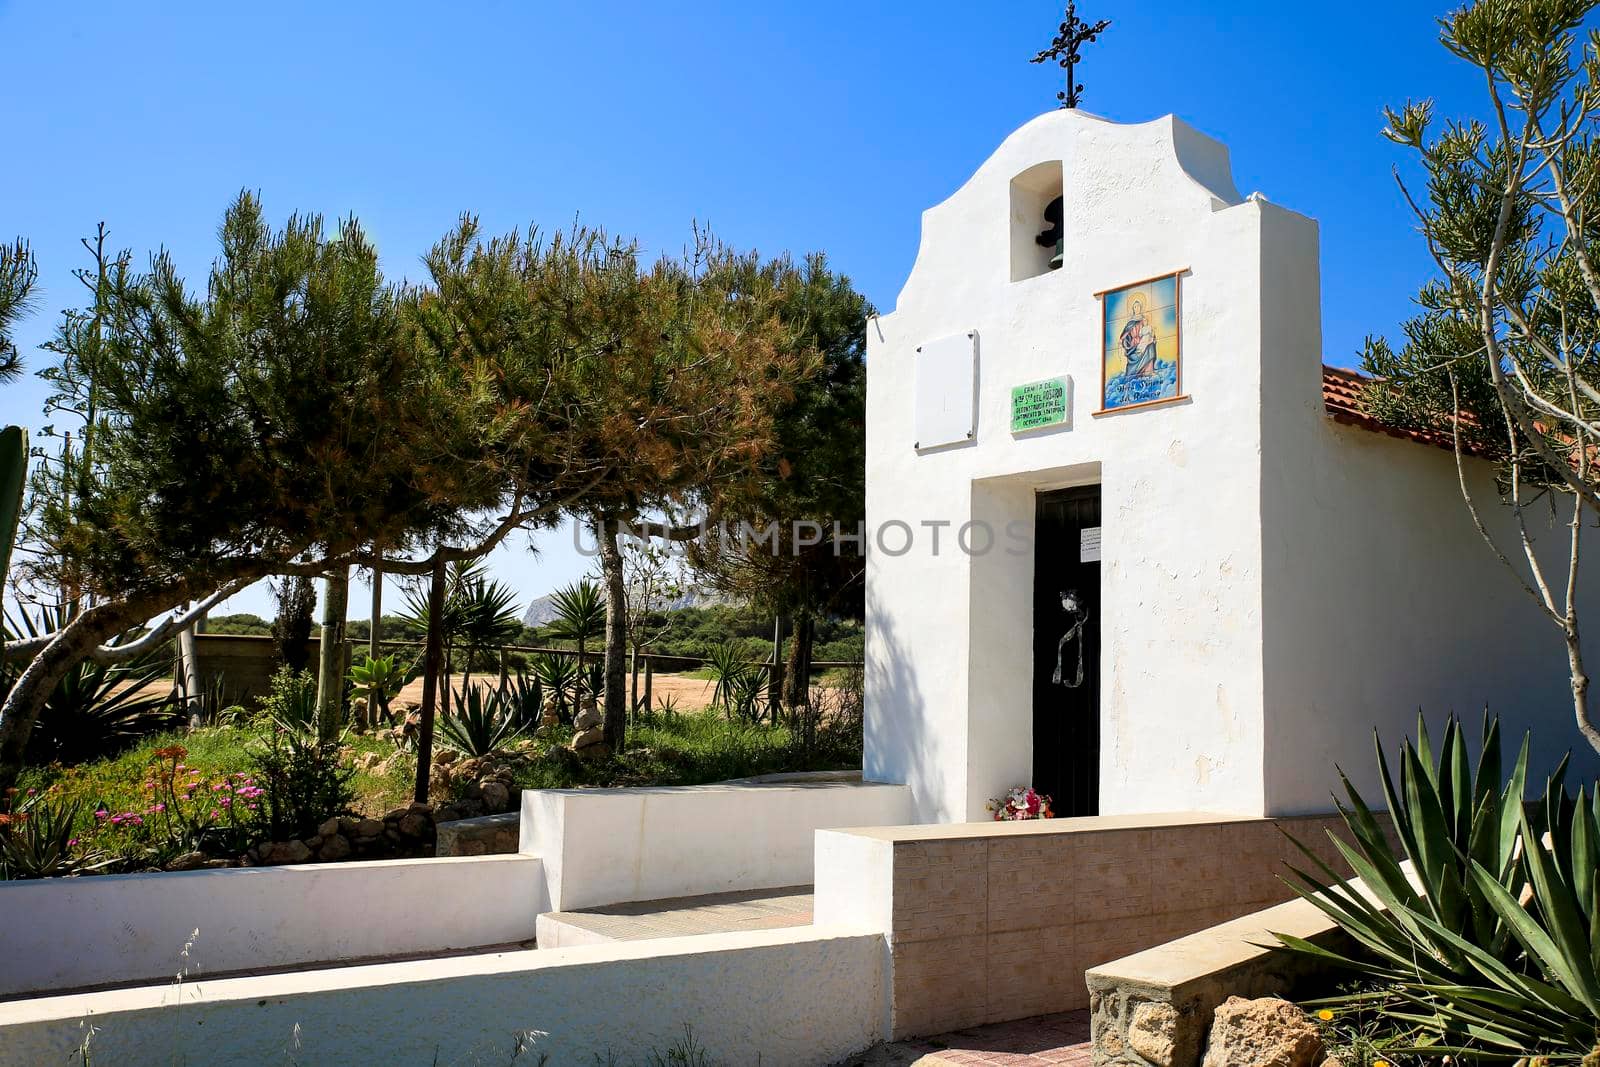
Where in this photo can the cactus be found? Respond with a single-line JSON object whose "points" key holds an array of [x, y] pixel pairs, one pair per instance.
{"points": [[13, 476]]}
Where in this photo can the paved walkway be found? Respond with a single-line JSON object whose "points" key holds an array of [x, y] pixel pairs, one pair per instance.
{"points": [[1044, 1041], [716, 913]]}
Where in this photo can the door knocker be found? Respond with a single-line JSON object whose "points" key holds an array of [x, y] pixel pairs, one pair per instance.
{"points": [[1074, 609]]}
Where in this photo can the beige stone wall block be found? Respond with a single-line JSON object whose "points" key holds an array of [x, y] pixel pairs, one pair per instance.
{"points": [[1030, 974], [939, 985]]}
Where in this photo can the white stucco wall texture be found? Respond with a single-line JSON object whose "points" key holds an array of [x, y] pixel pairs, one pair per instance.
{"points": [[70, 933], [784, 998], [1274, 585], [608, 846]]}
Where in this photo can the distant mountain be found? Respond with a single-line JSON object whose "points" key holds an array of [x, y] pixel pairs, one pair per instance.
{"points": [[542, 610]]}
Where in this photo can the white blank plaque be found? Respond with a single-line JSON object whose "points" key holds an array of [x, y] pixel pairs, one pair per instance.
{"points": [[947, 396]]}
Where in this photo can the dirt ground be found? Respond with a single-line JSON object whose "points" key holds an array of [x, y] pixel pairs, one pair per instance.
{"points": [[692, 694]]}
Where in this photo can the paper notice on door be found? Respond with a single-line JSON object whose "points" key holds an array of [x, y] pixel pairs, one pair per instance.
{"points": [[1089, 545]]}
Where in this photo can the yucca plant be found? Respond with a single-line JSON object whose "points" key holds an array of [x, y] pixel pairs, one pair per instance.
{"points": [[747, 694], [727, 666], [580, 615], [558, 676], [479, 724], [1480, 930]]}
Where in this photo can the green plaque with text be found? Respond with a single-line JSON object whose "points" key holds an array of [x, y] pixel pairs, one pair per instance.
{"points": [[1038, 404]]}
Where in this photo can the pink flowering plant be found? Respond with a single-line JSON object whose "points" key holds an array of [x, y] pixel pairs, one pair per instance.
{"points": [[1023, 802], [181, 809]]}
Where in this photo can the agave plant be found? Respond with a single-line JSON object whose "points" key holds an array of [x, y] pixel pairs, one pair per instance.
{"points": [[480, 723], [380, 680], [523, 698], [36, 839], [96, 708], [1481, 928]]}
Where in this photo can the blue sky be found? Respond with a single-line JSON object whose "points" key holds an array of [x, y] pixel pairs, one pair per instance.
{"points": [[794, 126]]}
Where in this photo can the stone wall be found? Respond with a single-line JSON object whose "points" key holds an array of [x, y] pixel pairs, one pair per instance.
{"points": [[1154, 1008], [995, 921], [490, 835]]}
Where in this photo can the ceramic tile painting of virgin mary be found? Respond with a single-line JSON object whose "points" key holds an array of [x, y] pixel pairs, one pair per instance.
{"points": [[1140, 359]]}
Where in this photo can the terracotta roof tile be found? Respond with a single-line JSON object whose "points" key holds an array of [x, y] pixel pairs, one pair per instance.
{"points": [[1341, 396]]}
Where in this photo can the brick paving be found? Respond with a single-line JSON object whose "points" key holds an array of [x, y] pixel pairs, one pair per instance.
{"points": [[1060, 1040]]}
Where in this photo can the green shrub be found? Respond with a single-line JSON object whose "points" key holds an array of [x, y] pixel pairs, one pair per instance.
{"points": [[1493, 951], [302, 782], [293, 698]]}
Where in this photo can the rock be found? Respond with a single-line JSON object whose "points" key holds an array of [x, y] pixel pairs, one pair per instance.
{"points": [[370, 761], [334, 847], [314, 842], [347, 826], [284, 852], [415, 824], [396, 814], [496, 797], [218, 865], [1163, 1035], [446, 755], [369, 828], [588, 718], [588, 738], [328, 828], [189, 861], [1262, 1033]]}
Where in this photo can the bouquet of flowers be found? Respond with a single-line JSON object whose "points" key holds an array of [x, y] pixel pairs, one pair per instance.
{"points": [[1021, 803]]}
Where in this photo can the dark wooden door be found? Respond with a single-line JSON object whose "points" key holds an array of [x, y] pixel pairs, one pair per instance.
{"points": [[1066, 709]]}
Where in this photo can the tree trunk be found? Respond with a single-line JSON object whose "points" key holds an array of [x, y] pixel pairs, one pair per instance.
{"points": [[1580, 687], [797, 675], [72, 644], [449, 658], [377, 613], [191, 670], [633, 681], [616, 657], [649, 677], [430, 679], [775, 680], [330, 653]]}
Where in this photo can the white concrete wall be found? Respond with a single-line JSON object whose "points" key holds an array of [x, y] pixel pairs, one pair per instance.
{"points": [[785, 998], [68, 933], [608, 846], [949, 636], [1380, 597]]}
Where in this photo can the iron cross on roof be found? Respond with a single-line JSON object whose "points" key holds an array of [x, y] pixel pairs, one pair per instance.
{"points": [[1074, 33]]}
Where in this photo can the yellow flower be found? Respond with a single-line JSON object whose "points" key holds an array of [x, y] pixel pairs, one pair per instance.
{"points": [[1381, 1063], [1327, 1016]]}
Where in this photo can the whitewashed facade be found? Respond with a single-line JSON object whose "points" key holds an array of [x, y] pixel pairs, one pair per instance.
{"points": [[1272, 584]]}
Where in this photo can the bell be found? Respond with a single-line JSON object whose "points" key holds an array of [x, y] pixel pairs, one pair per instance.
{"points": [[1052, 233]]}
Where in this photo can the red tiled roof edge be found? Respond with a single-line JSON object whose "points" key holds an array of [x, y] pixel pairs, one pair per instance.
{"points": [[1341, 397]]}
